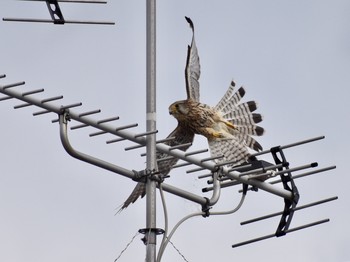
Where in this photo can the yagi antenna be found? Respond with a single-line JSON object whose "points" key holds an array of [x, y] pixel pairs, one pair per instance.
{"points": [[57, 15], [66, 112], [252, 176]]}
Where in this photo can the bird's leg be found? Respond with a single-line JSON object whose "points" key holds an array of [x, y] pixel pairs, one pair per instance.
{"points": [[212, 133], [229, 124]]}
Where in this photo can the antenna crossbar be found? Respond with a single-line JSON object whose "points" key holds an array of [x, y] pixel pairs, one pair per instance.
{"points": [[295, 209], [158, 141], [71, 1], [291, 145], [5, 98], [33, 92], [122, 132], [320, 170], [32, 20], [287, 231]]}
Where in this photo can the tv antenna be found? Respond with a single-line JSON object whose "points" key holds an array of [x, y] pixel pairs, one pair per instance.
{"points": [[57, 15], [250, 176]]}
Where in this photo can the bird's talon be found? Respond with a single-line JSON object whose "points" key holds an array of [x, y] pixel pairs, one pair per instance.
{"points": [[218, 135]]}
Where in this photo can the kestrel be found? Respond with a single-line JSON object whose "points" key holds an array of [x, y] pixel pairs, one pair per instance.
{"points": [[229, 126]]}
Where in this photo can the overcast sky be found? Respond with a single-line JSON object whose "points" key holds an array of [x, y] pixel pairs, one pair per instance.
{"points": [[293, 57]]}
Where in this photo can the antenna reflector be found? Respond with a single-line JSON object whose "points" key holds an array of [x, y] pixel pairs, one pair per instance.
{"points": [[126, 127], [180, 146], [211, 158], [71, 106], [41, 112], [33, 92], [13, 85], [108, 120], [51, 99], [195, 170], [22, 105], [31, 20], [182, 164], [196, 152], [146, 133], [5, 98], [79, 126], [97, 133], [115, 140], [90, 113], [287, 231], [295, 209], [157, 142]]}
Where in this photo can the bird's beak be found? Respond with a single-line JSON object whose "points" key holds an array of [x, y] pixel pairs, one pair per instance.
{"points": [[171, 109]]}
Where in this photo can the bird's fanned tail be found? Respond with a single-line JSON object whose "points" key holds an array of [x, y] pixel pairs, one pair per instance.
{"points": [[235, 148], [229, 95], [231, 150]]}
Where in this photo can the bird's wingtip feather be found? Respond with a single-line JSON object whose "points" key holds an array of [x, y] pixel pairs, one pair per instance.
{"points": [[190, 22]]}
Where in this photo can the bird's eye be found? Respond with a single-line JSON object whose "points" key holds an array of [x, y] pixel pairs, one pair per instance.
{"points": [[177, 106]]}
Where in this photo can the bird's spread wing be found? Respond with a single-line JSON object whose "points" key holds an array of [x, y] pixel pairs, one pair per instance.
{"points": [[234, 149], [192, 71], [180, 136], [139, 191]]}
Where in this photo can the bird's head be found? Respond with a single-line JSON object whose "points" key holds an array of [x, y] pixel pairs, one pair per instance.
{"points": [[179, 109]]}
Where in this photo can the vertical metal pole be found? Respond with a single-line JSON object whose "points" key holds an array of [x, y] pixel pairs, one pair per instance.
{"points": [[151, 125]]}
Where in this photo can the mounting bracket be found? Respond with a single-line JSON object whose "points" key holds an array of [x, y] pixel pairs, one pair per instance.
{"points": [[288, 184], [55, 11]]}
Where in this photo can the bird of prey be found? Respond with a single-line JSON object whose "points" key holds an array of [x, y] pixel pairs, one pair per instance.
{"points": [[228, 126]]}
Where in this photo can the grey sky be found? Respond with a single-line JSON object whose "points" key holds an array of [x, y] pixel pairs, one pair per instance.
{"points": [[293, 57]]}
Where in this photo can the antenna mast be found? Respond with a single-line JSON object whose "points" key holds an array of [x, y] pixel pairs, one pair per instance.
{"points": [[151, 231]]}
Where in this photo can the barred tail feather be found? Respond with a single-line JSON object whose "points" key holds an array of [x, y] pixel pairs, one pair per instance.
{"points": [[234, 147], [249, 130], [250, 142], [226, 97], [235, 111], [233, 101], [230, 98], [232, 150], [250, 119]]}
